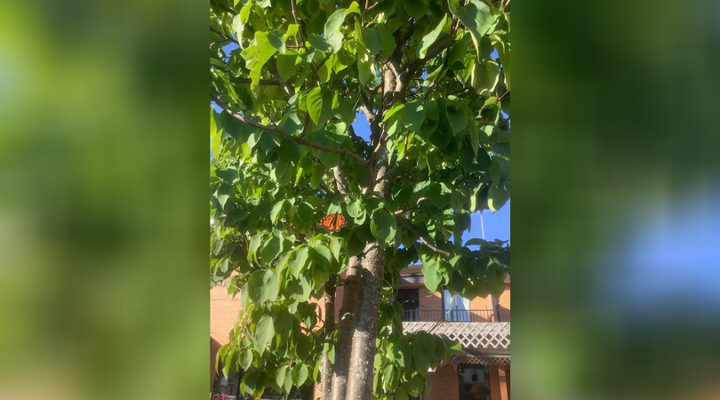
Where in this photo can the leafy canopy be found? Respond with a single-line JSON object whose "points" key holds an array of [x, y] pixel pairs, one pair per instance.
{"points": [[292, 76]]}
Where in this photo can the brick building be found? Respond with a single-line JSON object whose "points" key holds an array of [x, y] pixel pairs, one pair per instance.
{"points": [[482, 325]]}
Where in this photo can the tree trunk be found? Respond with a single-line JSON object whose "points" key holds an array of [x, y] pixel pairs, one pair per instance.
{"points": [[326, 374], [362, 349], [360, 384], [351, 293]]}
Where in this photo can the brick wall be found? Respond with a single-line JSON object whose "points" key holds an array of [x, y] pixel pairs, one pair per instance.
{"points": [[430, 300], [444, 383]]}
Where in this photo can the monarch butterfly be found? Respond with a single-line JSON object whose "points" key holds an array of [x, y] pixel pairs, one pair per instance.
{"points": [[332, 223]]}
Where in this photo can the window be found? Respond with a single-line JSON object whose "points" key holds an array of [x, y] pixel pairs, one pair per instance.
{"points": [[455, 307], [474, 382], [226, 385], [410, 300]]}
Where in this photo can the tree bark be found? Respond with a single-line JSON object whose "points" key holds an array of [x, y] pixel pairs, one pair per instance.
{"points": [[360, 384], [326, 374], [351, 293]]}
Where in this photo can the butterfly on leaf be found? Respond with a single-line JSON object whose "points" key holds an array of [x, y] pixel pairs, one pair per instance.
{"points": [[333, 222]]}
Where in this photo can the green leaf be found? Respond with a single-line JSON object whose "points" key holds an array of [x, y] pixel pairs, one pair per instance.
{"points": [[456, 57], [458, 119], [316, 175], [276, 210], [215, 136], [271, 249], [335, 247], [432, 275], [300, 374], [255, 243], [333, 36], [264, 332], [300, 289], [383, 226], [263, 285], [246, 358], [288, 381], [414, 115], [422, 353], [454, 346], [485, 76], [439, 195], [318, 43], [476, 16], [320, 276], [388, 376], [315, 103], [387, 40], [240, 20], [280, 375], [497, 197], [249, 383], [474, 138], [298, 260], [321, 255], [431, 37], [353, 9], [356, 210], [366, 67], [256, 55], [476, 242], [371, 39], [416, 8], [396, 108], [287, 65]]}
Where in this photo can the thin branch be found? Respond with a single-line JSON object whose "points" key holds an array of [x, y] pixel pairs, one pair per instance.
{"points": [[285, 135], [270, 82], [434, 49], [224, 36], [417, 204], [368, 115], [312, 333], [425, 241], [294, 14], [231, 11], [371, 7], [340, 181]]}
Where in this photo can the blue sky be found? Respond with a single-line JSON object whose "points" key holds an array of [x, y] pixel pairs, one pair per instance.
{"points": [[667, 254]]}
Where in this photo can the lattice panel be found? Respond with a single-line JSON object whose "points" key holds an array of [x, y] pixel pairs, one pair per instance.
{"points": [[479, 335], [470, 359]]}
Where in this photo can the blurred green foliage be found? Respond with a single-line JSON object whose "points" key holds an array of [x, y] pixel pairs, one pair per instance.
{"points": [[103, 158], [614, 114]]}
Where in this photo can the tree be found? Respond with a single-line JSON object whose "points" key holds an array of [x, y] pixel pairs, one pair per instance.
{"points": [[432, 78]]}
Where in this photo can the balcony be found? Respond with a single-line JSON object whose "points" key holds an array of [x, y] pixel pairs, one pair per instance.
{"points": [[479, 331], [480, 315]]}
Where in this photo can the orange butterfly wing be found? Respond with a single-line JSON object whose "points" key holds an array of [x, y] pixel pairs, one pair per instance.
{"points": [[333, 222], [326, 222], [340, 222]]}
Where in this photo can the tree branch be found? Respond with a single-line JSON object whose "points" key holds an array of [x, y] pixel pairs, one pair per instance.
{"points": [[294, 14], [340, 180], [285, 135], [224, 36], [269, 82], [233, 12], [425, 241]]}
